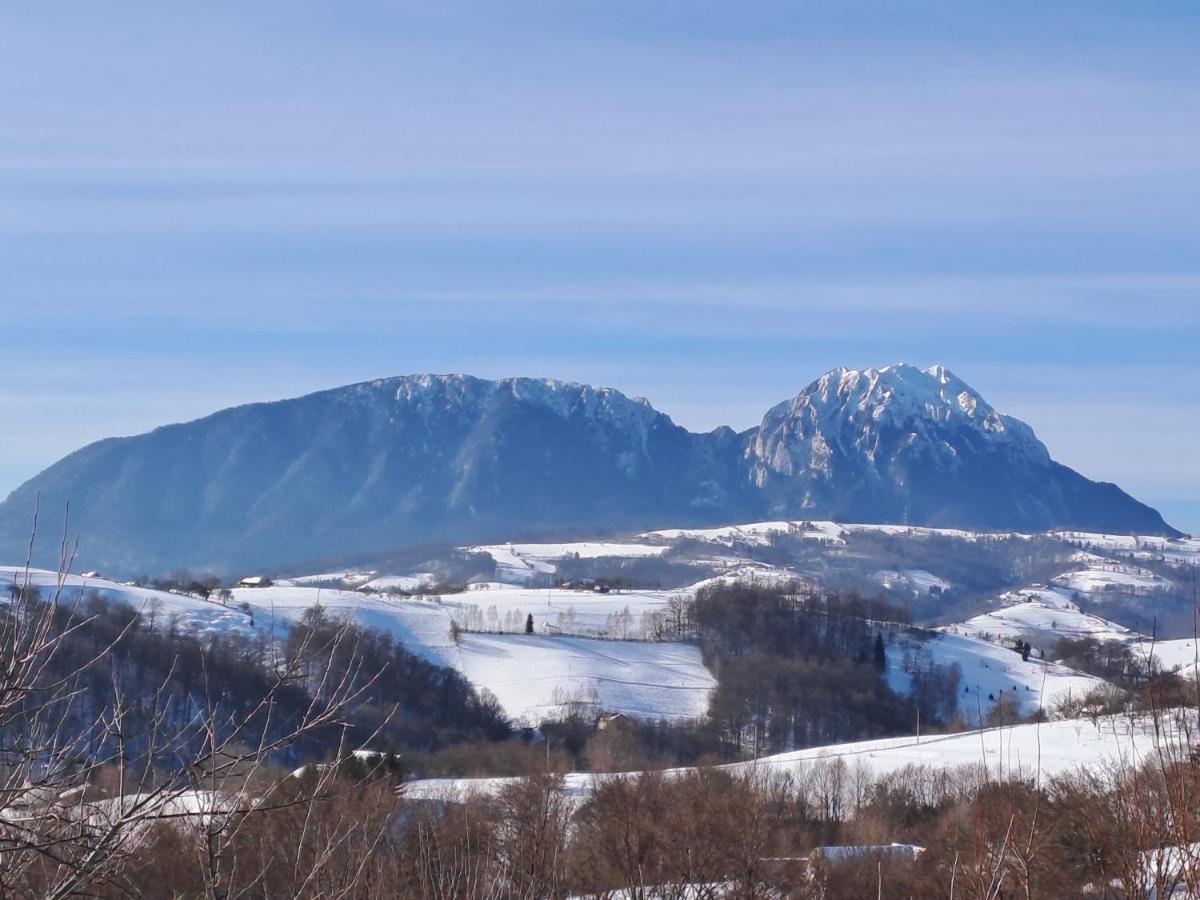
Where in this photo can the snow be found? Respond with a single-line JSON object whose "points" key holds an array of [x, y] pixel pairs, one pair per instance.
{"points": [[556, 609], [917, 580], [753, 533], [532, 676], [1169, 867], [582, 549], [759, 573], [539, 675], [1025, 751], [1108, 576], [1032, 620], [346, 579], [525, 561], [759, 533], [1051, 747], [1178, 551], [897, 395], [1178, 655], [196, 805], [1051, 598], [922, 531], [535, 676], [201, 617], [413, 582], [988, 672]]}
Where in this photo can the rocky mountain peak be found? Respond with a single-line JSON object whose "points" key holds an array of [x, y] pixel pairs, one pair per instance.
{"points": [[415, 458]]}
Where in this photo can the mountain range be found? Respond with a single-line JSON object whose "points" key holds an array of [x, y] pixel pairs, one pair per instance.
{"points": [[374, 466]]}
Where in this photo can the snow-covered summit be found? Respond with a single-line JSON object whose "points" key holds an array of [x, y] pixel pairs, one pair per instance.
{"points": [[920, 446], [857, 404], [370, 467], [465, 394]]}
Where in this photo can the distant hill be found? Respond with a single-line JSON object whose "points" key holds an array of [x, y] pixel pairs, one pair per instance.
{"points": [[373, 466]]}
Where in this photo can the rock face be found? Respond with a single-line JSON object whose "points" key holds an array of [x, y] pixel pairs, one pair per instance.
{"points": [[373, 466], [901, 444]]}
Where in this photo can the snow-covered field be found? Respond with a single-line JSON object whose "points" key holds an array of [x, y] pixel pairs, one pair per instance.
{"points": [[1179, 655], [1048, 749], [829, 532], [537, 675], [533, 676], [190, 613], [1022, 750], [343, 579], [400, 582], [917, 580], [1101, 578], [1039, 613], [1037, 621], [988, 672], [1181, 551], [759, 573], [754, 533]]}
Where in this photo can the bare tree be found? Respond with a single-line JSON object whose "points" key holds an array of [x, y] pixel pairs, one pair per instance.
{"points": [[84, 784]]}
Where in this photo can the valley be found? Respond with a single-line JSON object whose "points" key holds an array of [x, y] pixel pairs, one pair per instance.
{"points": [[602, 643]]}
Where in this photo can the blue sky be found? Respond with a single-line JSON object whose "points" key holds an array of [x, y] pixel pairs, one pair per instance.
{"points": [[707, 204]]}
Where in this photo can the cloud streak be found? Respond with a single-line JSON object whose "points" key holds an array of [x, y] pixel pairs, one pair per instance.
{"points": [[705, 203]]}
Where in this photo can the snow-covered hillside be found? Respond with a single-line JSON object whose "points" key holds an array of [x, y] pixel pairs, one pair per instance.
{"points": [[988, 672], [1178, 551], [1101, 579], [916, 580], [760, 533], [190, 613], [1177, 655], [533, 676], [1041, 615], [522, 562], [538, 674], [1048, 748], [757, 533]]}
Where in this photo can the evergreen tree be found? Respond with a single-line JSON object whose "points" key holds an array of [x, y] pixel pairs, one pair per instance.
{"points": [[529, 624], [880, 652]]}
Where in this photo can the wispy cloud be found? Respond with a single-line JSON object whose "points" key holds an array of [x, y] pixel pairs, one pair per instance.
{"points": [[705, 203]]}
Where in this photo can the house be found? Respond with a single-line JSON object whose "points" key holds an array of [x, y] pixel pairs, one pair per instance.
{"points": [[604, 720], [904, 853], [89, 574], [255, 581]]}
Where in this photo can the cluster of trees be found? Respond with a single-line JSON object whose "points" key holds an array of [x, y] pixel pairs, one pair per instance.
{"points": [[736, 618], [1115, 833], [798, 667], [472, 618], [182, 581], [145, 762], [113, 656], [1117, 662], [974, 569], [401, 701], [646, 572]]}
